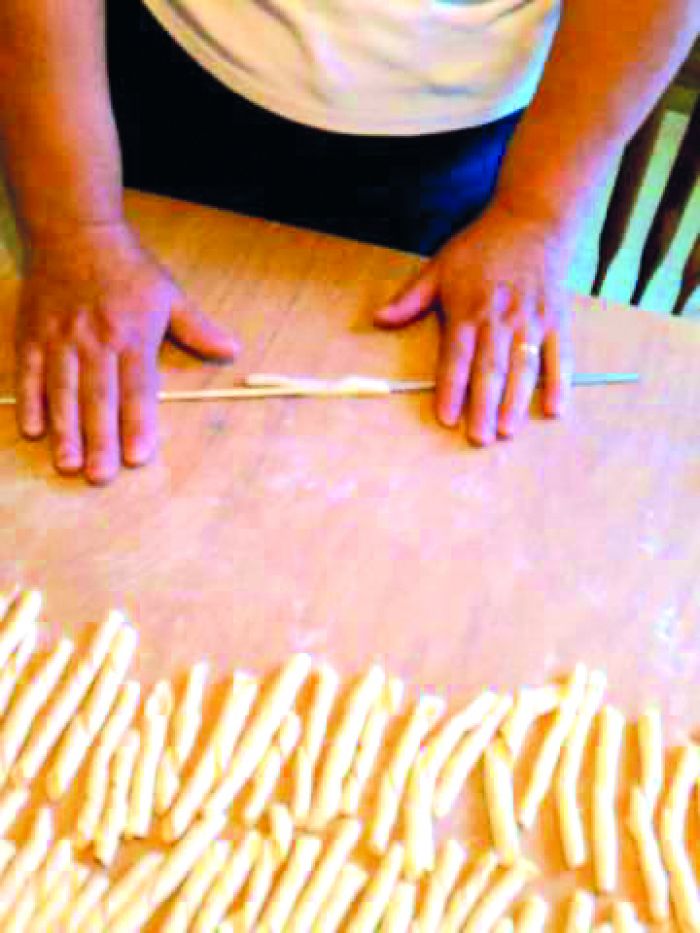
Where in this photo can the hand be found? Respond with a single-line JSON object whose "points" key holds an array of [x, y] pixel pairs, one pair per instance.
{"points": [[500, 286], [94, 310]]}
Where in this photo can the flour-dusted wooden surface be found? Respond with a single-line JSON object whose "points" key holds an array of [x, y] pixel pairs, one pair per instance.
{"points": [[357, 528]]}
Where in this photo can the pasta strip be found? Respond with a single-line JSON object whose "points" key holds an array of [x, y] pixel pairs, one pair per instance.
{"points": [[38, 887], [530, 703], [68, 698], [177, 865], [465, 897], [370, 743], [499, 898], [228, 883], [651, 754], [125, 889], [378, 891], [18, 723], [400, 910], [437, 770], [12, 801], [195, 889], [157, 712], [15, 667], [259, 885], [342, 748], [641, 826], [605, 835], [570, 820], [684, 890], [548, 757], [281, 829], [97, 780], [441, 882], [21, 614], [533, 915], [465, 756], [88, 721], [305, 852], [314, 733], [185, 724], [216, 757], [26, 861], [58, 899], [268, 772], [498, 786], [624, 917], [257, 737], [112, 824], [426, 712], [581, 913], [86, 900], [325, 873], [351, 881]]}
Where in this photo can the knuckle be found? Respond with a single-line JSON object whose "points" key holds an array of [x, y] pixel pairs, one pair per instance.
{"points": [[100, 450], [31, 358], [115, 329], [63, 429], [111, 332], [490, 363], [60, 398], [75, 325], [462, 338], [95, 387], [100, 393]]}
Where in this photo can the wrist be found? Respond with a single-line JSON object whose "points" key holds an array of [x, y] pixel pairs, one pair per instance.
{"points": [[552, 218], [51, 232], [67, 237]]}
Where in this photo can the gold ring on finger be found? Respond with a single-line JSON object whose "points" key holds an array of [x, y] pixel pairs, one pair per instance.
{"points": [[527, 350]]}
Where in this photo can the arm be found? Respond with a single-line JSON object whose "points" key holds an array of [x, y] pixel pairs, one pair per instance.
{"points": [[501, 282], [94, 305], [609, 64], [57, 135]]}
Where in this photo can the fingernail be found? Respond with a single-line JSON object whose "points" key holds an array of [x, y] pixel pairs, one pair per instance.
{"points": [[449, 417], [99, 472], [32, 429], [556, 406], [507, 426], [482, 438], [138, 453], [69, 460]]}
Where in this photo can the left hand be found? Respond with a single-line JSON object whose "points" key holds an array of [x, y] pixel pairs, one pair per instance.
{"points": [[500, 285]]}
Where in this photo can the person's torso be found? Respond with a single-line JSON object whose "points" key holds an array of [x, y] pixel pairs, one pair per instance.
{"points": [[394, 67]]}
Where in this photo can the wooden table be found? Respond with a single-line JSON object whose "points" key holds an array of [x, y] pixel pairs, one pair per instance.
{"points": [[358, 528]]}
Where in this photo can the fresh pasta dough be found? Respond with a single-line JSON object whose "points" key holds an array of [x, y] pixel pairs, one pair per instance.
{"points": [[203, 860]]}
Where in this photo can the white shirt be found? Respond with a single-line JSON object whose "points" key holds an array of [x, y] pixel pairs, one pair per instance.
{"points": [[393, 67]]}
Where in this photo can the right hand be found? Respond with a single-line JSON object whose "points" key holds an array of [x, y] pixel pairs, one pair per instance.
{"points": [[94, 309]]}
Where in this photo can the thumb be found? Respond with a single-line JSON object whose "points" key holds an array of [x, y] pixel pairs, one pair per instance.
{"points": [[412, 302], [197, 334]]}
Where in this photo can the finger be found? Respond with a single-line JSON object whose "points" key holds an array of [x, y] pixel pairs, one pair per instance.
{"points": [[138, 385], [31, 417], [62, 386], [99, 412], [558, 366], [488, 382], [413, 301], [195, 332], [521, 381], [454, 366]]}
